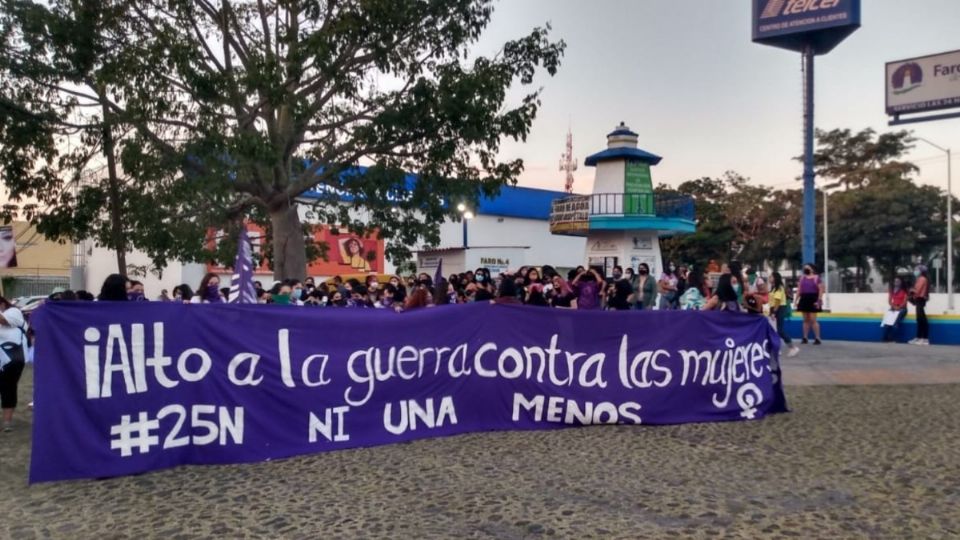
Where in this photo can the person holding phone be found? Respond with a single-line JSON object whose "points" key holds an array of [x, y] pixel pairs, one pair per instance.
{"points": [[587, 285]]}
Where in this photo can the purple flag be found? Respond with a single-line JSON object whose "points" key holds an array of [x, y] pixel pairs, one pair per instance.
{"points": [[438, 277], [241, 283]]}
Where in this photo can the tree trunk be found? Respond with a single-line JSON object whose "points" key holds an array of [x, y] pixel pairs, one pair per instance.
{"points": [[289, 248], [116, 208]]}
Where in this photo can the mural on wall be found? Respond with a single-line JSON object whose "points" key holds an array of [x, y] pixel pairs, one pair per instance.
{"points": [[8, 247], [348, 253]]}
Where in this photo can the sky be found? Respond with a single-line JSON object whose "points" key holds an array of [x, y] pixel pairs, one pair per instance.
{"points": [[685, 75]]}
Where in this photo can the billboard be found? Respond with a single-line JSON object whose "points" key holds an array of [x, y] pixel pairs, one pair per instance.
{"points": [[795, 24], [570, 215], [8, 247], [348, 253], [927, 83]]}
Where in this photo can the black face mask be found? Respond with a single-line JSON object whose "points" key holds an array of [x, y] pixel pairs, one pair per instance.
{"points": [[643, 272], [807, 271]]}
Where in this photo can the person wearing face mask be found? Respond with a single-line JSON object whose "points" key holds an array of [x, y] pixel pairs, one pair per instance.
{"points": [[209, 290], [338, 300], [919, 295], [897, 300], [667, 285], [297, 293], [724, 298], [284, 295], [646, 289], [810, 291]]}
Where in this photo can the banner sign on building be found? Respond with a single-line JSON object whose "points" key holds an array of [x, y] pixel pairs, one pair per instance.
{"points": [[570, 214], [637, 188], [927, 83], [796, 24], [124, 388]]}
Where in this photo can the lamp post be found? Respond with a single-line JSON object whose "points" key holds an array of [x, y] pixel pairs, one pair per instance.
{"points": [[949, 251], [465, 215], [826, 246]]}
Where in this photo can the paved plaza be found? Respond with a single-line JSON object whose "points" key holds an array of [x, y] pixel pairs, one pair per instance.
{"points": [[858, 457]]}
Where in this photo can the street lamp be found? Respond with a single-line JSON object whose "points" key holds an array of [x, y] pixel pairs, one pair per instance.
{"points": [[826, 246], [949, 223], [465, 215]]}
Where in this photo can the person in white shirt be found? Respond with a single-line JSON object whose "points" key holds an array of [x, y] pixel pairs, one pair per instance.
{"points": [[13, 341]]}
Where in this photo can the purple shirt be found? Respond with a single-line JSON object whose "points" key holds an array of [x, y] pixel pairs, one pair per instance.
{"points": [[810, 285], [588, 294]]}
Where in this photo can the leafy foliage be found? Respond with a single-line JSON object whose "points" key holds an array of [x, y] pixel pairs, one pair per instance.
{"points": [[234, 110]]}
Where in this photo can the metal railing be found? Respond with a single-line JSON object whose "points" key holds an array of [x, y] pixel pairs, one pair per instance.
{"points": [[626, 204]]}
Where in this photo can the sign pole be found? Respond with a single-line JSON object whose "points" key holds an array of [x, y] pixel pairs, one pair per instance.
{"points": [[826, 256], [809, 189], [950, 305]]}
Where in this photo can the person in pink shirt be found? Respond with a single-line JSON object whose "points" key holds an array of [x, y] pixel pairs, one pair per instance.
{"points": [[898, 302]]}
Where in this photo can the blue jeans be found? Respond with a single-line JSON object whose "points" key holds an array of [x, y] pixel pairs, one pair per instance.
{"points": [[890, 331]]}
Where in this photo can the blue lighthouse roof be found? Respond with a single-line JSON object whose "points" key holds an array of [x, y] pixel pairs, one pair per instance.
{"points": [[622, 130], [622, 153]]}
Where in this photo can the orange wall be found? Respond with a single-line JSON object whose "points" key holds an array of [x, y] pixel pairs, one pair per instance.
{"points": [[338, 260]]}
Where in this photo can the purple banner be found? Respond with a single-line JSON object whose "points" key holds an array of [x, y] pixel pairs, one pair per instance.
{"points": [[127, 388]]}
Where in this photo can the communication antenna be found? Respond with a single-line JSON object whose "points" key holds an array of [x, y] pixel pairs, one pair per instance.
{"points": [[568, 163]]}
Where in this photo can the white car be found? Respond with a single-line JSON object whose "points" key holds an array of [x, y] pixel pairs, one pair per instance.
{"points": [[27, 304]]}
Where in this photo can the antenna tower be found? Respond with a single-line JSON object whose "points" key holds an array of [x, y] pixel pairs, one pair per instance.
{"points": [[568, 163]]}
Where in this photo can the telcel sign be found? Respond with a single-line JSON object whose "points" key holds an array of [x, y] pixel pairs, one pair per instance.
{"points": [[928, 83], [797, 24]]}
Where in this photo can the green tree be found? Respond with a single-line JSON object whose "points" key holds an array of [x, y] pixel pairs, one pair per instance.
{"points": [[882, 216], [714, 235], [891, 221], [239, 108], [855, 160]]}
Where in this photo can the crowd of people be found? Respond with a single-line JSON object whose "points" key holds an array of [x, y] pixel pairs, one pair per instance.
{"points": [[729, 287]]}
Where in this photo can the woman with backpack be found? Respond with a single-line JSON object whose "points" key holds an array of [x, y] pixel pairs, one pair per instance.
{"points": [[810, 294], [13, 358], [780, 310]]}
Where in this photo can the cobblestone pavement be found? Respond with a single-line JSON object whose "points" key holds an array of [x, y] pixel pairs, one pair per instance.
{"points": [[848, 462]]}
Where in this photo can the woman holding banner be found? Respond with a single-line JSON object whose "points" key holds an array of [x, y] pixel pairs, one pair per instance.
{"points": [[13, 358]]}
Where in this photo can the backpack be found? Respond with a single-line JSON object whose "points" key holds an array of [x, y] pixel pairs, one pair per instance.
{"points": [[12, 352]]}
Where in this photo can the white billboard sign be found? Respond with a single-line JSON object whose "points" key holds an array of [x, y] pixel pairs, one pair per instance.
{"points": [[927, 83]]}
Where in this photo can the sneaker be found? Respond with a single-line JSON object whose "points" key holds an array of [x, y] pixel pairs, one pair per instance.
{"points": [[924, 342], [913, 341], [817, 342], [793, 351], [804, 341], [7, 428]]}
